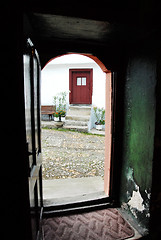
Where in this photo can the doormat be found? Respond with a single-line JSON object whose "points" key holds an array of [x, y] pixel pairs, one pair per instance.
{"points": [[105, 224]]}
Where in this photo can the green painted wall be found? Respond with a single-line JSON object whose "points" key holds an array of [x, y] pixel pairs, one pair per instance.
{"points": [[138, 137]]}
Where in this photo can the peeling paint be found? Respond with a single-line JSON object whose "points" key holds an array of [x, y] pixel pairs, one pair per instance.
{"points": [[148, 215], [136, 201], [148, 194], [130, 174]]}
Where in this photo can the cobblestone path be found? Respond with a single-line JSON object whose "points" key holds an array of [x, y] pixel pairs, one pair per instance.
{"points": [[72, 154]]}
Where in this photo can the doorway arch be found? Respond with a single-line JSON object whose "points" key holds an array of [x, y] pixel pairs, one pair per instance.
{"points": [[94, 58], [108, 116]]}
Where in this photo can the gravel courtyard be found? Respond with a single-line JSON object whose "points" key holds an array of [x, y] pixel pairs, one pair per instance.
{"points": [[69, 154]]}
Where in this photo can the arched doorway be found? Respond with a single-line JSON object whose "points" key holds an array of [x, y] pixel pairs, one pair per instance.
{"points": [[108, 114]]}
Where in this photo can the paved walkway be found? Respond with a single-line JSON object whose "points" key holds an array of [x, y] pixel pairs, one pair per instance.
{"points": [[60, 191], [72, 155]]}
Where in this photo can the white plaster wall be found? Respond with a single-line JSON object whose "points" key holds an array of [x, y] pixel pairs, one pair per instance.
{"points": [[98, 97], [55, 78]]}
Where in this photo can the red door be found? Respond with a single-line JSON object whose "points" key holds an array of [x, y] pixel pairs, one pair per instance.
{"points": [[80, 86]]}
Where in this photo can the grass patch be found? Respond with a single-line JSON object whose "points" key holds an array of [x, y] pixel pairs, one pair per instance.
{"points": [[69, 130]]}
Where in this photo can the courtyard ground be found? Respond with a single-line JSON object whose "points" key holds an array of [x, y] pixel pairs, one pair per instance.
{"points": [[68, 154]]}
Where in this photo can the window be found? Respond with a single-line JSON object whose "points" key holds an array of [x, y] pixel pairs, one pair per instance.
{"points": [[84, 81], [81, 81]]}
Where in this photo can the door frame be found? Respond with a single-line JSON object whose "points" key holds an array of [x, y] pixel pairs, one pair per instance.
{"points": [[111, 199], [71, 71]]}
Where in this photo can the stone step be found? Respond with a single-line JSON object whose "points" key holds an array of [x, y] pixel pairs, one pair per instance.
{"points": [[75, 123], [77, 117], [85, 107], [77, 128], [79, 110]]}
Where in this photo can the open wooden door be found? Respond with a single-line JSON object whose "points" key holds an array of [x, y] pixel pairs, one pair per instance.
{"points": [[33, 136]]}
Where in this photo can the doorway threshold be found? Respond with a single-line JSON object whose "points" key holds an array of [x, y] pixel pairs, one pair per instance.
{"points": [[71, 190]]}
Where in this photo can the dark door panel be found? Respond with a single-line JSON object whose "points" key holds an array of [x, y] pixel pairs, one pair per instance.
{"points": [[33, 141]]}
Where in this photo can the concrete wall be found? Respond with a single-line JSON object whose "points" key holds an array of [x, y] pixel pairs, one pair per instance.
{"points": [[139, 128]]}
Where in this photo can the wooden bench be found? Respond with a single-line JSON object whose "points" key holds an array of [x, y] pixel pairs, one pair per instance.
{"points": [[48, 110]]}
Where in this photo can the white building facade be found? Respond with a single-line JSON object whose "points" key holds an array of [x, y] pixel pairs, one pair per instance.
{"points": [[56, 79]]}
